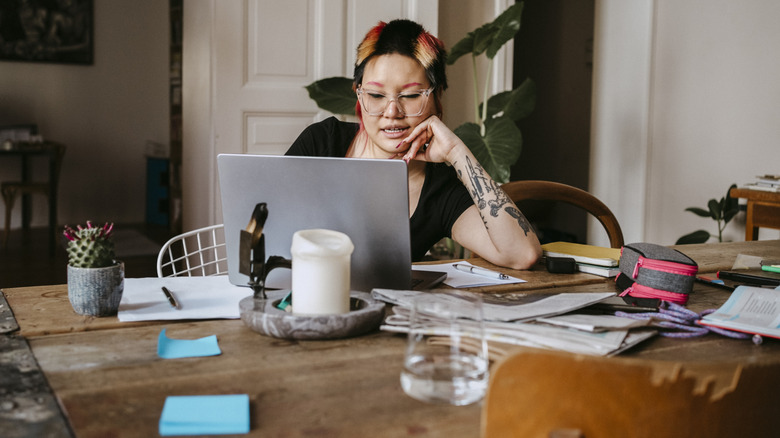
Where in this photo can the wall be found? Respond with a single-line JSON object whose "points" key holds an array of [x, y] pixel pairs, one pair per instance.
{"points": [[684, 104], [104, 113], [715, 108]]}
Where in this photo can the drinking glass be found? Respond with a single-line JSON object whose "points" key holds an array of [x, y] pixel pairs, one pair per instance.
{"points": [[446, 358]]}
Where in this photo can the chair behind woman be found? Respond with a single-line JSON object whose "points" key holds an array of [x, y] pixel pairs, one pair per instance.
{"points": [[554, 191]]}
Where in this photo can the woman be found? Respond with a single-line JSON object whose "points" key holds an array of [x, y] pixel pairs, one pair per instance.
{"points": [[399, 81]]}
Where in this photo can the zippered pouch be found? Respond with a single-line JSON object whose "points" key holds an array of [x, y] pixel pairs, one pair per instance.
{"points": [[648, 270]]}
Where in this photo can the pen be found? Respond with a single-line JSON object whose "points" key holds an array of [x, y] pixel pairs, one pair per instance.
{"points": [[480, 271], [170, 297], [771, 268]]}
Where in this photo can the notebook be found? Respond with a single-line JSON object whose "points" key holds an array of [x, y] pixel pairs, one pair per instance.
{"points": [[365, 199]]}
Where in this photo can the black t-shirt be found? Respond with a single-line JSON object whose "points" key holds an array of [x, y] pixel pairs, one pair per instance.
{"points": [[442, 200]]}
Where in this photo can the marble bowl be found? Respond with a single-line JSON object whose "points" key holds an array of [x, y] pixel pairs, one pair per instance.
{"points": [[264, 317]]}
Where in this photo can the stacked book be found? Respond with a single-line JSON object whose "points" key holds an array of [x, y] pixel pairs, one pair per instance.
{"points": [[590, 259], [769, 183]]}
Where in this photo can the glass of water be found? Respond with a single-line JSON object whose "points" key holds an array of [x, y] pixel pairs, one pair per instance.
{"points": [[446, 358]]}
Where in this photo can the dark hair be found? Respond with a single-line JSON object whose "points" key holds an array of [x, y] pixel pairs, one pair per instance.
{"points": [[407, 38]]}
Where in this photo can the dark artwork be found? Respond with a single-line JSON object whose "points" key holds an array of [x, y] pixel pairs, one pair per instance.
{"points": [[46, 31]]}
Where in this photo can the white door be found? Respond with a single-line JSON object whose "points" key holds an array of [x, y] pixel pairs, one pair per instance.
{"points": [[246, 64]]}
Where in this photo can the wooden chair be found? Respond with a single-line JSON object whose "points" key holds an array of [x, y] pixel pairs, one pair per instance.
{"points": [[12, 189], [195, 253], [554, 191], [535, 393]]}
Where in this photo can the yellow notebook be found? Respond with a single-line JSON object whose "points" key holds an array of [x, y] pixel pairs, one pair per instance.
{"points": [[594, 255]]}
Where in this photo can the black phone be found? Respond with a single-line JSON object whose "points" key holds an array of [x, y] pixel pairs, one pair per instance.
{"points": [[625, 304], [752, 277]]}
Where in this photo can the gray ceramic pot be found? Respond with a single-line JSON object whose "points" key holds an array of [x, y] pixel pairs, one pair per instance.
{"points": [[96, 291]]}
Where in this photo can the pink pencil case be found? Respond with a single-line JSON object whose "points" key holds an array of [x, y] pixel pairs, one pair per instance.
{"points": [[648, 270]]}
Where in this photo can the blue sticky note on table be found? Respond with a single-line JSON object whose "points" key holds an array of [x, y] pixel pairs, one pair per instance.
{"points": [[205, 415], [168, 348]]}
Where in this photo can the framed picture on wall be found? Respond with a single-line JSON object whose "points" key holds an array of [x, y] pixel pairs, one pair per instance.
{"points": [[58, 31]]}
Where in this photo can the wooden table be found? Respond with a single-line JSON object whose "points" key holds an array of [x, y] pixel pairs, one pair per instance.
{"points": [[110, 382], [763, 210]]}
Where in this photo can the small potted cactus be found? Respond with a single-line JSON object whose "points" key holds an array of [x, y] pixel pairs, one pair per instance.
{"points": [[95, 278]]}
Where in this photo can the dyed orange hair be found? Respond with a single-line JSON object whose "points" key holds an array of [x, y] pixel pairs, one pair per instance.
{"points": [[404, 37]]}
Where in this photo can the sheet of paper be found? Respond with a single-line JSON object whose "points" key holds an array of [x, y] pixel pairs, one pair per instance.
{"points": [[543, 306], [595, 323], [531, 334], [198, 297], [168, 348], [205, 415], [459, 279]]}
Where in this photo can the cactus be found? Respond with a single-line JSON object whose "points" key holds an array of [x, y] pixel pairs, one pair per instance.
{"points": [[90, 246]]}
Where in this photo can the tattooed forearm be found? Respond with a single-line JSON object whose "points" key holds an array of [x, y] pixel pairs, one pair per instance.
{"points": [[487, 194], [476, 178], [484, 190], [521, 220]]}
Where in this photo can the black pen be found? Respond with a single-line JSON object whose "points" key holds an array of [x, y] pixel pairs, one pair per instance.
{"points": [[170, 297]]}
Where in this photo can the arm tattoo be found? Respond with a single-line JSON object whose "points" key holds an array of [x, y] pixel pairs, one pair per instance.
{"points": [[521, 220], [487, 193]]}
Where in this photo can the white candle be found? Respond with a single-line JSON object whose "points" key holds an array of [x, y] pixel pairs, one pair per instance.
{"points": [[320, 272]]}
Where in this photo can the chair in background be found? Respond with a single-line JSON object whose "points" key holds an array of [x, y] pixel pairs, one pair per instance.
{"points": [[196, 253], [558, 192], [11, 189]]}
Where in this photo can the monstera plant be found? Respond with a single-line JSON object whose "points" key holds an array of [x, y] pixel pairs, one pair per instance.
{"points": [[493, 136]]}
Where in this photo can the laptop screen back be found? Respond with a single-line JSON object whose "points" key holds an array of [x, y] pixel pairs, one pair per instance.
{"points": [[365, 199]]}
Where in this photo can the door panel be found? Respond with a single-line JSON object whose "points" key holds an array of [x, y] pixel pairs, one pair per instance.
{"points": [[262, 53]]}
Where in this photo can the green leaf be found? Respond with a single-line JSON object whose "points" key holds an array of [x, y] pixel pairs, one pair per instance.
{"points": [[489, 37], [699, 236], [506, 27], [483, 38], [732, 206], [715, 210], [698, 211], [498, 150], [516, 104], [462, 47], [334, 94]]}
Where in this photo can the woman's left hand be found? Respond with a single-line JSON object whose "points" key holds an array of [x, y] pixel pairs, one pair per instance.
{"points": [[432, 141]]}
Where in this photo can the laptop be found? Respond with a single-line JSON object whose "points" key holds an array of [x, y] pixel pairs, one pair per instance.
{"points": [[365, 199]]}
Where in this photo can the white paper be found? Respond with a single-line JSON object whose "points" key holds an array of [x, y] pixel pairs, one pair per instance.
{"points": [[543, 306], [533, 335], [211, 297], [595, 323], [460, 279]]}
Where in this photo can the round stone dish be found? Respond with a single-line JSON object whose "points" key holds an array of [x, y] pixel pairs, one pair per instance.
{"points": [[264, 317]]}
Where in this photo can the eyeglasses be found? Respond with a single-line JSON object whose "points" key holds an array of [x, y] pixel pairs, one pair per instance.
{"points": [[409, 103]]}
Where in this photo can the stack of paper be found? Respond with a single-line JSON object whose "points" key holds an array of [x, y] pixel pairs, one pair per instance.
{"points": [[205, 415], [769, 183], [535, 323]]}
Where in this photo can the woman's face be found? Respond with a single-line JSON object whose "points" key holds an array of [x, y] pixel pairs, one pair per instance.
{"points": [[392, 75]]}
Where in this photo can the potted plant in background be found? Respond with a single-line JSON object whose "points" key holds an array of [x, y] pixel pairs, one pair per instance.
{"points": [[721, 211], [95, 277], [493, 137]]}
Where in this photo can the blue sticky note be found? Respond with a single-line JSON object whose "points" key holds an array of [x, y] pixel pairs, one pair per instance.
{"points": [[205, 415], [168, 348]]}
